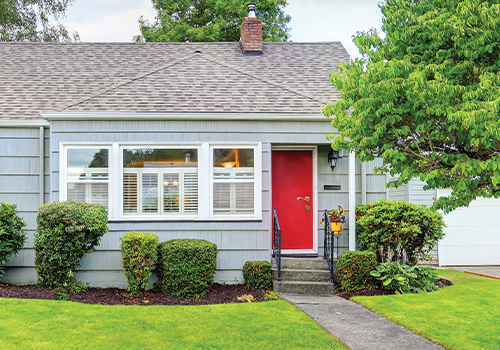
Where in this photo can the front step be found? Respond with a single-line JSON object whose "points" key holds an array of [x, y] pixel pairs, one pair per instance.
{"points": [[303, 276], [299, 287], [317, 263]]}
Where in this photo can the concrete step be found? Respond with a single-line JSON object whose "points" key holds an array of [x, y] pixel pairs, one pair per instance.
{"points": [[299, 287], [303, 263], [302, 275]]}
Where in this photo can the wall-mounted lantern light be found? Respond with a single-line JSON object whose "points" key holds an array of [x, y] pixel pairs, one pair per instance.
{"points": [[332, 158]]}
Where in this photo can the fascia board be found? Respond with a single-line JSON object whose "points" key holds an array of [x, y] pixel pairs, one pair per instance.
{"points": [[53, 116]]}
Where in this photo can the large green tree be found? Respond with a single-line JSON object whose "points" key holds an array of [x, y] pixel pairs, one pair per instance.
{"points": [[212, 20], [426, 98], [33, 20]]}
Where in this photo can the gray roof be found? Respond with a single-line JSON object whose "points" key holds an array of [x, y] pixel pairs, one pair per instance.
{"points": [[288, 78]]}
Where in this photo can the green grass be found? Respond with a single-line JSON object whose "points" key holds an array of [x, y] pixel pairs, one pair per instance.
{"points": [[43, 324], [463, 316]]}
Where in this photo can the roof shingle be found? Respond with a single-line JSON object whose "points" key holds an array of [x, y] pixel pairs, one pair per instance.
{"points": [[165, 77]]}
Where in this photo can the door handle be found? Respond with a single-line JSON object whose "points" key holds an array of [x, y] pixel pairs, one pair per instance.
{"points": [[307, 199]]}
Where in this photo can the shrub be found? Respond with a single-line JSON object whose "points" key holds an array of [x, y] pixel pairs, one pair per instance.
{"points": [[12, 238], [258, 275], [271, 295], [186, 267], [139, 256], [66, 231], [353, 270], [406, 279], [398, 230]]}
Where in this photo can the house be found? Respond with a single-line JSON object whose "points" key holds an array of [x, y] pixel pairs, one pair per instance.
{"points": [[472, 234], [183, 140]]}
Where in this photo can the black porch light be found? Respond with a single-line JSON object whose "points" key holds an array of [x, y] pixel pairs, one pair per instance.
{"points": [[332, 158]]}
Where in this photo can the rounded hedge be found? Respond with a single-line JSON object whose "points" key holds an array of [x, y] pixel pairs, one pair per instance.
{"points": [[354, 270], [398, 230], [186, 267], [139, 254], [12, 238], [66, 232], [258, 275]]}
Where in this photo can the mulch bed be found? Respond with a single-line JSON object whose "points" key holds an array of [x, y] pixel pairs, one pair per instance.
{"points": [[219, 294], [441, 282]]}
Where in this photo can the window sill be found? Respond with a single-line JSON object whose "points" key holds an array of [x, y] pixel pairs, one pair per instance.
{"points": [[146, 220]]}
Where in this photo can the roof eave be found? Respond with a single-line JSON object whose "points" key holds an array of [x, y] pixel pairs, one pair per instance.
{"points": [[53, 116]]}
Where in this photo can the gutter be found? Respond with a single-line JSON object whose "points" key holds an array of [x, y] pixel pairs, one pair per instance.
{"points": [[50, 116]]}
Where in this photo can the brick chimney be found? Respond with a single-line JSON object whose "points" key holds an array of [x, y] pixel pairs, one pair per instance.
{"points": [[251, 33]]}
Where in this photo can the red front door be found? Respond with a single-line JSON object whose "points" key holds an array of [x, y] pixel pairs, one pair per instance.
{"points": [[293, 197]]}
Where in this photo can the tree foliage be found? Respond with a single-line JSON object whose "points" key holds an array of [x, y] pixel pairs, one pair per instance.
{"points": [[34, 20], [212, 20], [426, 98]]}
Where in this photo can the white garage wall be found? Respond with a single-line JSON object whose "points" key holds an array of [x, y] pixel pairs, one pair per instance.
{"points": [[472, 235]]}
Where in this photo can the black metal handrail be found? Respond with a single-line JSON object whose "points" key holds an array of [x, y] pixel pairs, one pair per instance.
{"points": [[277, 243], [329, 243]]}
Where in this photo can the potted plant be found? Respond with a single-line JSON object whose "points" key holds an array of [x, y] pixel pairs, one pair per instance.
{"points": [[337, 219]]}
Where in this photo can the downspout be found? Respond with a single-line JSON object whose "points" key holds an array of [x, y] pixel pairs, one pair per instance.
{"points": [[363, 183], [41, 159], [352, 201]]}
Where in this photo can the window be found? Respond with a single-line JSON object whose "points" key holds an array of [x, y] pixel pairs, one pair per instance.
{"points": [[200, 181], [87, 175], [233, 181], [160, 181]]}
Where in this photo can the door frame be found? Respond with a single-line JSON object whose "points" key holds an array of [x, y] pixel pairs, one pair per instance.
{"points": [[314, 150]]}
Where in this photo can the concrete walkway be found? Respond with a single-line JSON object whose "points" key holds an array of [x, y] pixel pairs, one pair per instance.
{"points": [[355, 326], [487, 271]]}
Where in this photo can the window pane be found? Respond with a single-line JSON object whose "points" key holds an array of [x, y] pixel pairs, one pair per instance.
{"points": [[150, 193], [130, 193], [93, 193], [160, 181], [87, 164], [234, 198], [160, 158], [233, 158], [191, 193], [170, 193]]}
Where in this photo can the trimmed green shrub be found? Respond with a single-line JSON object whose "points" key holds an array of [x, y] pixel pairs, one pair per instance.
{"points": [[258, 275], [398, 230], [139, 253], [66, 231], [354, 268], [12, 238], [406, 279], [186, 267]]}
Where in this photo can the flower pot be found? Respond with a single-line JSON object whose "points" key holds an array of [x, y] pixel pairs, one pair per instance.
{"points": [[337, 227]]}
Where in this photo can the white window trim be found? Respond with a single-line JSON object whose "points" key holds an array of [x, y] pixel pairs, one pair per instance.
{"points": [[205, 178], [63, 173], [155, 217], [257, 181]]}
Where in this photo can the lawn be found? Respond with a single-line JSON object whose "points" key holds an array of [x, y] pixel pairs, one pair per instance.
{"points": [[463, 316], [44, 324]]}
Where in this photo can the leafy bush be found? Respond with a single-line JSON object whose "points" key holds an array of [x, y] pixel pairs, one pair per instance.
{"points": [[271, 295], [398, 230], [66, 231], [12, 238], [258, 275], [353, 270], [186, 267], [139, 256], [406, 279]]}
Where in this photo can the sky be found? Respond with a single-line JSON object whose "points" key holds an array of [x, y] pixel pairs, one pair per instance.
{"points": [[312, 20]]}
